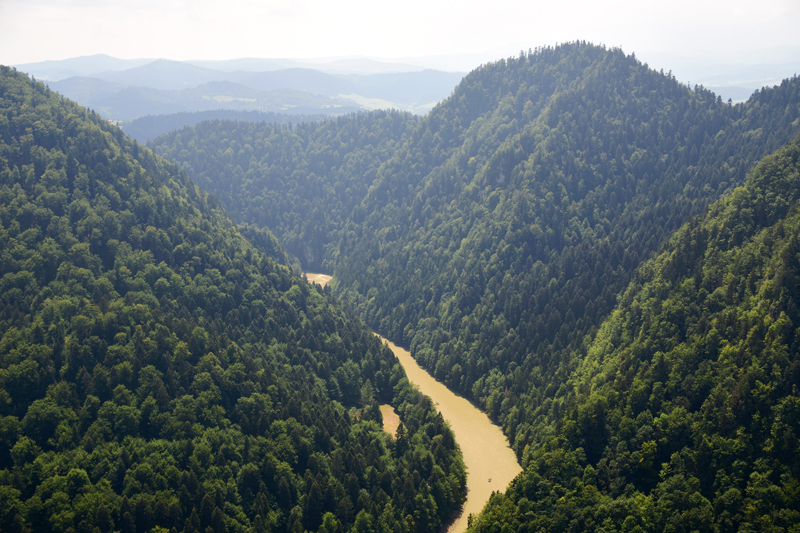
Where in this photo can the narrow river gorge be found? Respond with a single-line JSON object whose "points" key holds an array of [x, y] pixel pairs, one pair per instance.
{"points": [[491, 464]]}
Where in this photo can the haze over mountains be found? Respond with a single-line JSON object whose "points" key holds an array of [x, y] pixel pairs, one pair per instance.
{"points": [[124, 90], [127, 89]]}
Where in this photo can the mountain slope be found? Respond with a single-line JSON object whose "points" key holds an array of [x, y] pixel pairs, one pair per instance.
{"points": [[301, 182], [159, 370], [145, 128], [685, 414], [502, 232]]}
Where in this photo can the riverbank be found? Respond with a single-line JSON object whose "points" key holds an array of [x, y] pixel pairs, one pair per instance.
{"points": [[319, 279], [490, 461]]}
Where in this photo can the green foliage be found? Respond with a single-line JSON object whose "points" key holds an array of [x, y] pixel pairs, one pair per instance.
{"points": [[685, 414], [492, 236], [496, 235], [302, 182], [501, 234], [160, 371]]}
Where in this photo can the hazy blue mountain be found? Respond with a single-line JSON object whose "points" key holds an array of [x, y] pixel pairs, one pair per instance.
{"points": [[408, 87], [79, 66], [351, 65], [402, 88], [362, 65], [733, 75], [299, 79], [85, 89], [134, 102], [164, 74], [247, 64], [128, 89], [736, 93]]}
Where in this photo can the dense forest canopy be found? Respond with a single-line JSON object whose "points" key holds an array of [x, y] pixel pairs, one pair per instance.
{"points": [[684, 415], [302, 182], [163, 369], [504, 224], [503, 229]]}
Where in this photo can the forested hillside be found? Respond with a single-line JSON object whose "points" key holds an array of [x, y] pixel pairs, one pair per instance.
{"points": [[496, 232], [502, 232], [151, 126], [300, 182], [160, 370], [685, 414]]}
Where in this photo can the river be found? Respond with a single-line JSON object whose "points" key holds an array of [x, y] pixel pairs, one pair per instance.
{"points": [[491, 463]]}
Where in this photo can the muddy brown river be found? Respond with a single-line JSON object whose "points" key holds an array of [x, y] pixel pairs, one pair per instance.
{"points": [[491, 464]]}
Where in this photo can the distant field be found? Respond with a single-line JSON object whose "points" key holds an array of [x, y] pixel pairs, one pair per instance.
{"points": [[321, 279]]}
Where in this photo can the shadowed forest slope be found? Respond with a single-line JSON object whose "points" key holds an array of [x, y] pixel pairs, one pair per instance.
{"points": [[301, 182]]}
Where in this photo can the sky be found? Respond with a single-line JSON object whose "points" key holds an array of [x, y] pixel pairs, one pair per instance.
{"points": [[38, 30]]}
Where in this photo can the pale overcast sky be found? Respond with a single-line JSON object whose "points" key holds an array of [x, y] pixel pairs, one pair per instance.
{"points": [[38, 30]]}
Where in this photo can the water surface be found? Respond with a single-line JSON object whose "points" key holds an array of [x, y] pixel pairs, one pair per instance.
{"points": [[491, 463]]}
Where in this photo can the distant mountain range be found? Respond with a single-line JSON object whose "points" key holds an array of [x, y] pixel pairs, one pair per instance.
{"points": [[99, 63], [125, 90]]}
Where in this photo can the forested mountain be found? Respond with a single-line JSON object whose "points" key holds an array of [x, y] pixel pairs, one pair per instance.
{"points": [[684, 415], [501, 233], [504, 225], [145, 128], [302, 182], [159, 371]]}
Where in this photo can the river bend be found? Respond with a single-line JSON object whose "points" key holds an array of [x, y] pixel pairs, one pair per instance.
{"points": [[491, 463]]}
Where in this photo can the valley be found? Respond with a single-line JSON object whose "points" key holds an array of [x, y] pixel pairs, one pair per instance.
{"points": [[595, 269], [490, 462]]}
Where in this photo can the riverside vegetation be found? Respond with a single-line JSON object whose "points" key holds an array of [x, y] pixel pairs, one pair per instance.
{"points": [[526, 241]]}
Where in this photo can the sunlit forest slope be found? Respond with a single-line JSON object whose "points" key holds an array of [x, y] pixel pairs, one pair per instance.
{"points": [[160, 370], [685, 414]]}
